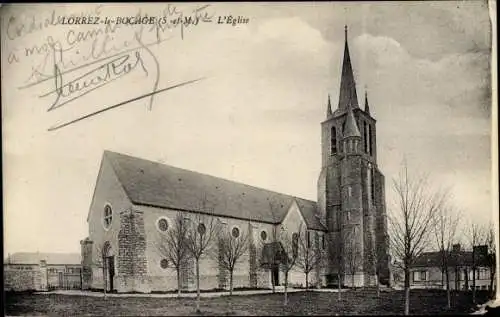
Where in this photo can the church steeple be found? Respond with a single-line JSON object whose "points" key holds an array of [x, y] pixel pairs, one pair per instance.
{"points": [[347, 96], [329, 108], [367, 107]]}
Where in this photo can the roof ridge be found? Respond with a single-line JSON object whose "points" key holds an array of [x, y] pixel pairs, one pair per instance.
{"points": [[207, 175]]}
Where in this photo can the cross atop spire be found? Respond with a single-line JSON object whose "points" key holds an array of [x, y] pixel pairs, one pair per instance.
{"points": [[348, 95]]}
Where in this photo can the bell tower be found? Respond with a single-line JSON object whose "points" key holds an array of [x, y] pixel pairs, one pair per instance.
{"points": [[351, 194]]}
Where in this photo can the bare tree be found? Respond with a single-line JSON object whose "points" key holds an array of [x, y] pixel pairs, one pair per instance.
{"points": [[172, 246], [290, 250], [309, 255], [232, 246], [445, 228], [410, 221], [202, 230], [475, 236], [352, 254], [490, 242]]}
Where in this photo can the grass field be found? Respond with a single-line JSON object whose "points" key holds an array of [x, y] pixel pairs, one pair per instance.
{"points": [[354, 302]]}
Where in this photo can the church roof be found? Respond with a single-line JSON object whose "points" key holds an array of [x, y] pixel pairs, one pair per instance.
{"points": [[347, 96], [351, 127], [51, 258], [159, 185]]}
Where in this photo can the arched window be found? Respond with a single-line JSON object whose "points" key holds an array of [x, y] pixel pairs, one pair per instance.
{"points": [[370, 141], [295, 244], [107, 217], [372, 185], [365, 136], [333, 140], [263, 235]]}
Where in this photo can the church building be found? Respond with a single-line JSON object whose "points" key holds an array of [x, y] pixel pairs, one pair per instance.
{"points": [[136, 202]]}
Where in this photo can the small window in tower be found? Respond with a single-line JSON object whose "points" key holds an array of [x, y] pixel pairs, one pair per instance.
{"points": [[333, 140], [323, 244], [348, 215]]}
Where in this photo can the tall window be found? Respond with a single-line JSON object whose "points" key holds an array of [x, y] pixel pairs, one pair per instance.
{"points": [[372, 186], [308, 239], [333, 140], [365, 136], [108, 216], [370, 143]]}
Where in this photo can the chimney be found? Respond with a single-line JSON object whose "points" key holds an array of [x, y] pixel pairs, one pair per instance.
{"points": [[456, 247]]}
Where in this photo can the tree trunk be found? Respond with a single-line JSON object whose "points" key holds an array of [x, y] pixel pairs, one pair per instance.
{"points": [[352, 281], [407, 291], [492, 278], [272, 280], [197, 285], [474, 284], [307, 281], [377, 284], [448, 291], [104, 277], [286, 286], [179, 282], [231, 282], [339, 286]]}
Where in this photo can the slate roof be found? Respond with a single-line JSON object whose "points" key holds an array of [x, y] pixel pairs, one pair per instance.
{"points": [[159, 185], [456, 258], [51, 258]]}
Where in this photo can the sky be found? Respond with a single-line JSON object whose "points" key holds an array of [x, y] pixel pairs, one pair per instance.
{"points": [[255, 117]]}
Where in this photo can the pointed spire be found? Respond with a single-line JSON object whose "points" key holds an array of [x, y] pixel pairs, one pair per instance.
{"points": [[348, 95], [351, 127], [329, 107], [367, 107]]}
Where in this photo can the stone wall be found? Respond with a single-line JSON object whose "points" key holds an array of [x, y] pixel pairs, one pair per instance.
{"points": [[21, 280], [132, 273]]}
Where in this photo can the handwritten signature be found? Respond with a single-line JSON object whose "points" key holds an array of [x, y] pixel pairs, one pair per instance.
{"points": [[92, 80], [102, 54]]}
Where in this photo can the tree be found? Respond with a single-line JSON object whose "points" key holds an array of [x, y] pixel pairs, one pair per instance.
{"points": [[232, 246], [445, 228], [411, 220], [289, 253], [352, 254], [490, 242], [309, 257], [202, 231], [172, 245], [475, 236]]}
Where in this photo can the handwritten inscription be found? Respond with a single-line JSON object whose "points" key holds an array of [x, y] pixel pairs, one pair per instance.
{"points": [[80, 61]]}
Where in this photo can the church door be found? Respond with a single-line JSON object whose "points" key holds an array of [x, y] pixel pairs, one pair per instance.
{"points": [[111, 271]]}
